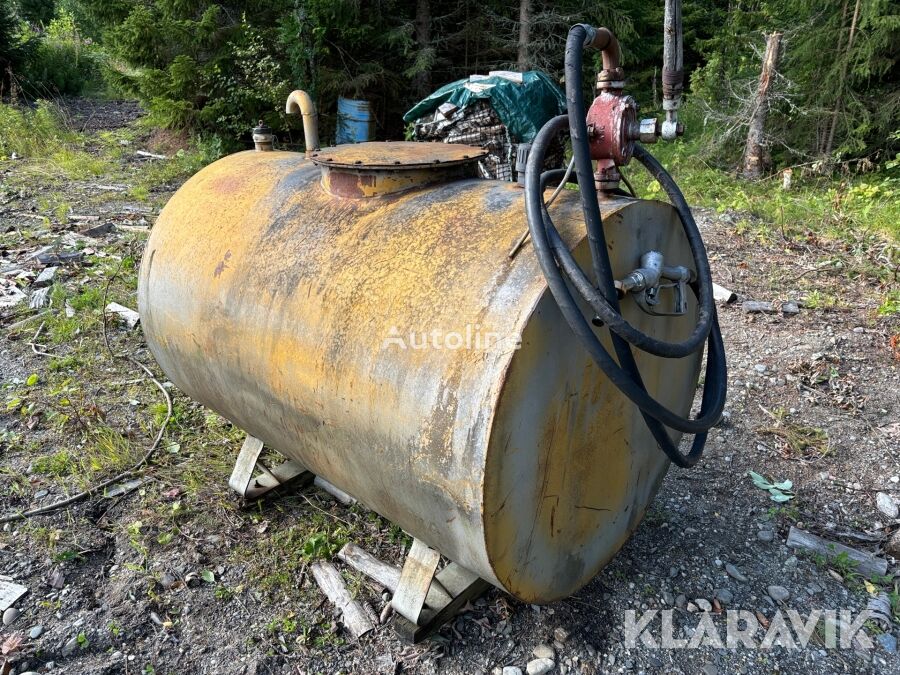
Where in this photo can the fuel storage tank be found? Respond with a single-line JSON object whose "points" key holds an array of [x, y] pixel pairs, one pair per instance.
{"points": [[363, 313]]}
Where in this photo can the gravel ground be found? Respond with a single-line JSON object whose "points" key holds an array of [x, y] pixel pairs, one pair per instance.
{"points": [[180, 577]]}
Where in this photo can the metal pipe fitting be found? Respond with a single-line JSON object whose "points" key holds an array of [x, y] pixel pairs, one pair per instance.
{"points": [[299, 102], [603, 40], [673, 70], [263, 138]]}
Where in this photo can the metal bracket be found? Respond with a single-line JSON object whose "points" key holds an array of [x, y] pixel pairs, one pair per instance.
{"points": [[245, 484], [451, 589]]}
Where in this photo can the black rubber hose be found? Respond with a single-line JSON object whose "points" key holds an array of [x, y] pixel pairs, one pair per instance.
{"points": [[628, 379], [604, 300], [580, 37]]}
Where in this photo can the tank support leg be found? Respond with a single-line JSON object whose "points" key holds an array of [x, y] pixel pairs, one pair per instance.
{"points": [[243, 481], [455, 585]]}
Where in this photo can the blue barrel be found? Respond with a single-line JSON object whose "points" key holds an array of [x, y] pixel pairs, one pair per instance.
{"points": [[355, 121]]}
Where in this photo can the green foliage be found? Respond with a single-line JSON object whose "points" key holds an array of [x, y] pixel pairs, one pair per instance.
{"points": [[830, 100], [63, 62], [37, 11], [13, 49], [32, 133], [858, 208]]}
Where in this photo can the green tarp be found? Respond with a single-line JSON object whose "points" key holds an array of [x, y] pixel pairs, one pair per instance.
{"points": [[523, 108]]}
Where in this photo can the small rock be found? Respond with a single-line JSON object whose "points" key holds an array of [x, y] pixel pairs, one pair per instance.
{"points": [[512, 670], [735, 573], [792, 562], [778, 593], [790, 308], [887, 505], [888, 642], [692, 608], [544, 651], [724, 596], [560, 634], [45, 278], [57, 579], [539, 666], [35, 632], [703, 604], [10, 615], [167, 580], [710, 669], [766, 536], [40, 494], [681, 601], [668, 598], [70, 647], [760, 368]]}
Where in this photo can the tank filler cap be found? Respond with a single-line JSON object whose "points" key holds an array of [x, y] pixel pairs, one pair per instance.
{"points": [[376, 169]]}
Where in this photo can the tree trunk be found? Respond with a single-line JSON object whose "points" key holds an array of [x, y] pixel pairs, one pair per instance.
{"points": [[422, 80], [524, 33], [829, 144], [756, 153]]}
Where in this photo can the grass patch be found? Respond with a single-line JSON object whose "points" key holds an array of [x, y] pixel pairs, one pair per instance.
{"points": [[42, 134], [57, 465], [797, 441], [288, 550], [849, 208]]}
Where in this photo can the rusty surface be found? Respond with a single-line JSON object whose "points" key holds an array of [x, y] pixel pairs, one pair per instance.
{"points": [[610, 118], [364, 183], [393, 154], [273, 302]]}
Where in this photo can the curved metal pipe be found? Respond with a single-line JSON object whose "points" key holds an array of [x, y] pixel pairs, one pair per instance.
{"points": [[605, 41], [299, 102]]}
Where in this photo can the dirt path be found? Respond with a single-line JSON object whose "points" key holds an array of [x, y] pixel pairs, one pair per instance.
{"points": [[179, 577]]}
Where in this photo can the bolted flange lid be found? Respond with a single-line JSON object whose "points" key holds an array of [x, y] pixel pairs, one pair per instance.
{"points": [[397, 155]]}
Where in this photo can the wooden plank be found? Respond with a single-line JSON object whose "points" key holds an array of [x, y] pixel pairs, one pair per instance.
{"points": [[388, 575], [866, 563], [10, 594], [354, 616], [415, 580]]}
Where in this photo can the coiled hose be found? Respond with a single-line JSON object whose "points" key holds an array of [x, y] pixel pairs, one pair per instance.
{"points": [[556, 261]]}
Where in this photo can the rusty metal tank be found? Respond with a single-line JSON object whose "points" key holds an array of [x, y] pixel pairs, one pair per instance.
{"points": [[361, 313]]}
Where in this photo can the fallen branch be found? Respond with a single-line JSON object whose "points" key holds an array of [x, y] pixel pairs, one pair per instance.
{"points": [[866, 563], [387, 575], [354, 616]]}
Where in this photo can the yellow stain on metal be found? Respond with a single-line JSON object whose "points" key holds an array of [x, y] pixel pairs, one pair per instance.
{"points": [[391, 346]]}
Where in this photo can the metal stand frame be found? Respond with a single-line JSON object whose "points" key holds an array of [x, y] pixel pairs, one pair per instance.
{"points": [[454, 586], [446, 591], [246, 485]]}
